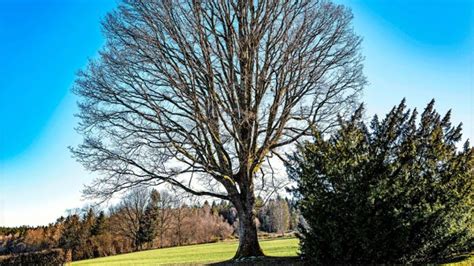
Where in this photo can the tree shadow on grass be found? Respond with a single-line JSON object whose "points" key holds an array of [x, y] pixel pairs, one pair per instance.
{"points": [[456, 259], [266, 260], [293, 260]]}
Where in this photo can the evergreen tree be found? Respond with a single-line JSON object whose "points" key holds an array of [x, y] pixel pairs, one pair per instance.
{"points": [[99, 226], [148, 224], [391, 192], [88, 223], [71, 237], [228, 212]]}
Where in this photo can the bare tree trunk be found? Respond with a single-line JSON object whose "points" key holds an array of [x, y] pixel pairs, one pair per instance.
{"points": [[178, 224], [161, 239], [248, 239]]}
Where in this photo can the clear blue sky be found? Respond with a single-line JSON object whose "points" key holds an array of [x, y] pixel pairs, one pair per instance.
{"points": [[418, 49]]}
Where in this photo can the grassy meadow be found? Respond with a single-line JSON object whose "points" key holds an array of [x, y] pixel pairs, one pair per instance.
{"points": [[194, 254], [211, 253]]}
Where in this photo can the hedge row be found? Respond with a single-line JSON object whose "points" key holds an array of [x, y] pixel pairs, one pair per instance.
{"points": [[45, 257]]}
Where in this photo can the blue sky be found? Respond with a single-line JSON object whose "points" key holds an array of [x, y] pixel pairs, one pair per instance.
{"points": [[418, 49]]}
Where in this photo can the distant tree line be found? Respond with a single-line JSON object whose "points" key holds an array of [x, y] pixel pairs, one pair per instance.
{"points": [[143, 219]]}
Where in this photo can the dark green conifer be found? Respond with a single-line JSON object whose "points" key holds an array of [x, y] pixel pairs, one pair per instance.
{"points": [[393, 192], [148, 224], [99, 226]]}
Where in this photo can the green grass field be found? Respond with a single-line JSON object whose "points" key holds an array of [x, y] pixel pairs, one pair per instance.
{"points": [[198, 254], [207, 253]]}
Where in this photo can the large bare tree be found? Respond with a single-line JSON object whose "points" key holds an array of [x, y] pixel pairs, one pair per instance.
{"points": [[200, 94]]}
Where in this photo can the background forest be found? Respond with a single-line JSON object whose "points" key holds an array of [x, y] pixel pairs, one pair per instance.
{"points": [[145, 219]]}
